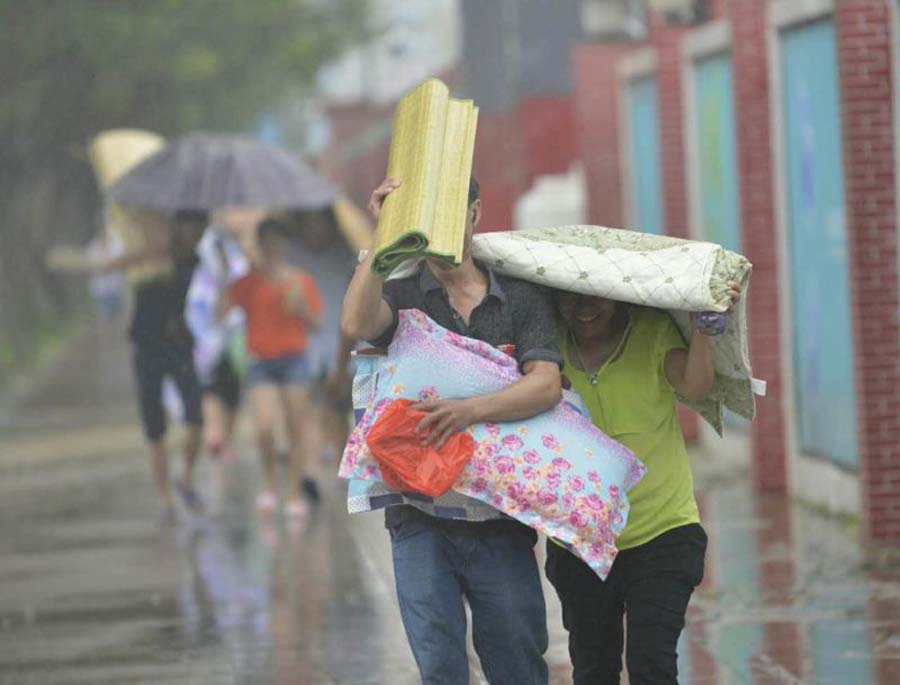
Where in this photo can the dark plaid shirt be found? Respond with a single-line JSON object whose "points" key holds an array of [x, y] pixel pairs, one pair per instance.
{"points": [[515, 316]]}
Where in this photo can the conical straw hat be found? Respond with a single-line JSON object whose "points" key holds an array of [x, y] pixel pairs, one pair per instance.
{"points": [[113, 153], [116, 151]]}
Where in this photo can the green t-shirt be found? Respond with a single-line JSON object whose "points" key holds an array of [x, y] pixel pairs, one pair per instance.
{"points": [[634, 403]]}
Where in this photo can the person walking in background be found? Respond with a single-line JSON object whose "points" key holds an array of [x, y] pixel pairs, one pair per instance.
{"points": [[322, 251], [221, 262], [162, 345], [629, 364], [282, 306]]}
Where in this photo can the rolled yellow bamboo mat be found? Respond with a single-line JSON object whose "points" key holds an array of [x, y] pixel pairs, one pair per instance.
{"points": [[431, 152]]}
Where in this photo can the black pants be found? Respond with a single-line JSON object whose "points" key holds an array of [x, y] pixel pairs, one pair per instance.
{"points": [[152, 363], [650, 585], [225, 383]]}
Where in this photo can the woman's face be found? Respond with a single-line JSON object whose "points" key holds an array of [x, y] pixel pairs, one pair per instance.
{"points": [[585, 315], [274, 248]]}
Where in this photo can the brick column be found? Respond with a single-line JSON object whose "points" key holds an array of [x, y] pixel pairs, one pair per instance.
{"points": [[597, 130], [867, 107], [760, 241], [499, 166], [667, 42], [547, 124]]}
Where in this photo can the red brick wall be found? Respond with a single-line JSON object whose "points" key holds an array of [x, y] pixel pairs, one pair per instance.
{"points": [[499, 167], [597, 130], [667, 42], [760, 243], [864, 62], [718, 8], [356, 159], [547, 125]]}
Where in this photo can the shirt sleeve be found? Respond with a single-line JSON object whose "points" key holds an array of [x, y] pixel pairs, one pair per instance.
{"points": [[535, 325], [393, 294], [668, 338]]}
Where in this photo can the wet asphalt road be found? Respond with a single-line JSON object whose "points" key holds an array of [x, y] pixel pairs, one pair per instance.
{"points": [[94, 590]]}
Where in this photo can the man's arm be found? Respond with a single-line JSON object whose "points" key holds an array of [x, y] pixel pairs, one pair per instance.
{"points": [[537, 391], [365, 315]]}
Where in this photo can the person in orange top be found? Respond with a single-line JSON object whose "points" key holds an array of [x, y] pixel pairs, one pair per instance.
{"points": [[281, 305]]}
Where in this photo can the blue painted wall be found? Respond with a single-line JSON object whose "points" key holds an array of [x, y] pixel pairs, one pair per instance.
{"points": [[817, 237], [646, 162], [716, 151]]}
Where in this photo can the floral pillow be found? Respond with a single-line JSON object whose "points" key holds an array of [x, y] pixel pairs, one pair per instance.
{"points": [[555, 472]]}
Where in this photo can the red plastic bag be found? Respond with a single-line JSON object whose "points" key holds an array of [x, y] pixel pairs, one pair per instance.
{"points": [[405, 463]]}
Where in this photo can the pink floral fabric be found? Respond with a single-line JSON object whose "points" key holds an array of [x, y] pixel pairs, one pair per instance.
{"points": [[555, 472]]}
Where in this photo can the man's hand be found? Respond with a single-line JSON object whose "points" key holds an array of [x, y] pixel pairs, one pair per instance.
{"points": [[376, 199], [445, 417]]}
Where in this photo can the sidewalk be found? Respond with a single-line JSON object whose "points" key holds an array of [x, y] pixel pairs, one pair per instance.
{"points": [[787, 596]]}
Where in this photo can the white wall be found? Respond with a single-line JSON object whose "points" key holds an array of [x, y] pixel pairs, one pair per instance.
{"points": [[412, 39]]}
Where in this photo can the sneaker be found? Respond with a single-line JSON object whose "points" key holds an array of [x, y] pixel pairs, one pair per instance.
{"points": [[190, 497], [310, 488], [266, 502]]}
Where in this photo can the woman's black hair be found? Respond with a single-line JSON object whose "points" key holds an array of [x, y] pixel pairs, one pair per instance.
{"points": [[193, 216]]}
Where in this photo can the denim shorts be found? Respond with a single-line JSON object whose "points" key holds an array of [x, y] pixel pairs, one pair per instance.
{"points": [[292, 369]]}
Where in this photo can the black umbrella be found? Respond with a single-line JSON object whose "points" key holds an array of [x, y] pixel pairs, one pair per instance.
{"points": [[212, 171]]}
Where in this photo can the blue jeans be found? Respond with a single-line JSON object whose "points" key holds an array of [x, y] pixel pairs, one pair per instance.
{"points": [[292, 369], [436, 565]]}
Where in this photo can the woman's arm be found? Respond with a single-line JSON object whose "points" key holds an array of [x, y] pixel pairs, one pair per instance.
{"points": [[130, 259], [298, 304], [692, 372], [71, 261]]}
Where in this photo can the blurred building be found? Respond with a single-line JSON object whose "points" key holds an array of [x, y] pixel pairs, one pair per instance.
{"points": [[409, 41], [514, 58], [769, 126]]}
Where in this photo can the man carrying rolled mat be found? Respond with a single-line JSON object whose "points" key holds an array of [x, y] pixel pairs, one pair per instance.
{"points": [[440, 561]]}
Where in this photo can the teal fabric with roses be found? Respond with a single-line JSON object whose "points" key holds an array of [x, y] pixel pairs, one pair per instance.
{"points": [[555, 472]]}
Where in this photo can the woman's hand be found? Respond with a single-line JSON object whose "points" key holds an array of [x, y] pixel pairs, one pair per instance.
{"points": [[734, 293]]}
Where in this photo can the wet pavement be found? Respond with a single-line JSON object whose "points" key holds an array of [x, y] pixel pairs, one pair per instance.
{"points": [[95, 591]]}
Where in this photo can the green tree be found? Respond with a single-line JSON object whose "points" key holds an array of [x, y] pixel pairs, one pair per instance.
{"points": [[72, 68]]}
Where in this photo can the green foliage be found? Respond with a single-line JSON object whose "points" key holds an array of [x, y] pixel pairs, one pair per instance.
{"points": [[72, 68], [78, 66]]}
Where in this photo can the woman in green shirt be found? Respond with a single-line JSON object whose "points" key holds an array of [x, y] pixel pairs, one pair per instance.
{"points": [[628, 364]]}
